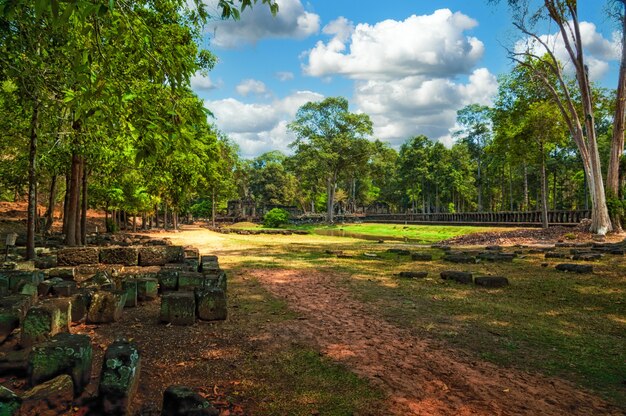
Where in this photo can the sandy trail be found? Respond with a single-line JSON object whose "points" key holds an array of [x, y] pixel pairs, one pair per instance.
{"points": [[419, 377]]}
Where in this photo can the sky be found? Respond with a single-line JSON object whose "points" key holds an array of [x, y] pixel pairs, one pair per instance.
{"points": [[409, 65]]}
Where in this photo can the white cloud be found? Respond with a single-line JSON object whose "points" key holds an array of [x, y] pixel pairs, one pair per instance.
{"points": [[428, 45], [598, 50], [415, 105], [259, 128], [251, 86], [285, 76], [202, 82], [292, 21]]}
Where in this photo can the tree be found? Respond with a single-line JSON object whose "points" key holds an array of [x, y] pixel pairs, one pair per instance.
{"points": [[579, 119], [334, 139]]}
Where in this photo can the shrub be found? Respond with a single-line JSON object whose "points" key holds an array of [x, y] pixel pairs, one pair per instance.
{"points": [[275, 218]]}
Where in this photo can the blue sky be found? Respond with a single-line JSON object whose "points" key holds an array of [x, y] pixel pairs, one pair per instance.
{"points": [[410, 65]]}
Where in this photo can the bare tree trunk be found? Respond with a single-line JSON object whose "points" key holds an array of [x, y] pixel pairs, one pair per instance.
{"points": [[544, 190], [32, 183], [83, 216], [72, 208], [78, 231], [51, 199], [66, 203], [526, 196], [165, 224], [175, 219], [330, 203], [134, 223], [213, 207]]}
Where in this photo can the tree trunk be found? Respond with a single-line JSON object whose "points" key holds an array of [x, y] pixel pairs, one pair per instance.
{"points": [[32, 182], [66, 203], [165, 224], [213, 207], [544, 189], [51, 199], [175, 219], [83, 216], [78, 211], [330, 202], [526, 196], [134, 223], [479, 181], [72, 206]]}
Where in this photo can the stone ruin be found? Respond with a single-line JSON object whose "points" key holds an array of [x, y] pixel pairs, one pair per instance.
{"points": [[94, 285]]}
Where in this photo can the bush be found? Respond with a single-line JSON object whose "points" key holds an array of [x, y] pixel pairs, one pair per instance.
{"points": [[275, 218]]}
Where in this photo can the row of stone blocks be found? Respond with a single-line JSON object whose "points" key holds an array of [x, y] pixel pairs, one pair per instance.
{"points": [[126, 256], [462, 277]]}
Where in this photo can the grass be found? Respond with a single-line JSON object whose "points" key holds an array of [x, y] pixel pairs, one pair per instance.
{"points": [[422, 234], [565, 325]]}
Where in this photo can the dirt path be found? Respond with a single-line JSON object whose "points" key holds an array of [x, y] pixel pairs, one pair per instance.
{"points": [[420, 378]]}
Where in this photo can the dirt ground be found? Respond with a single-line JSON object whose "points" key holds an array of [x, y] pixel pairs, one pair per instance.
{"points": [[419, 376]]}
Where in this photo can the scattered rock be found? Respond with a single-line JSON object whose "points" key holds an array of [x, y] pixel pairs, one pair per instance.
{"points": [[459, 258], [413, 275], [9, 402], [491, 281], [399, 251], [182, 401], [576, 268], [421, 257], [211, 304], [127, 256], [119, 377], [460, 277], [153, 256], [78, 255], [178, 308], [51, 398], [106, 306]]}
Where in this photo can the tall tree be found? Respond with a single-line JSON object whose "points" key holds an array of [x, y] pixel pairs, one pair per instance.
{"points": [[334, 138]]}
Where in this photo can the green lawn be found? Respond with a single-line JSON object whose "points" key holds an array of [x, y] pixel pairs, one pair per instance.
{"points": [[422, 234]]}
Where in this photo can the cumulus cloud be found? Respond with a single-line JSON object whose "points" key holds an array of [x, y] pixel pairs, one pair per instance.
{"points": [[202, 82], [427, 45], [598, 50], [292, 21], [251, 87], [418, 105], [285, 76], [259, 128]]}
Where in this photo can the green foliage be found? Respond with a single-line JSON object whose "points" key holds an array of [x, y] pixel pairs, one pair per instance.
{"points": [[201, 209], [275, 218]]}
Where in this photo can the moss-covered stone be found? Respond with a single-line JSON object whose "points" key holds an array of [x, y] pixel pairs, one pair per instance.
{"points": [[13, 309], [106, 306], [51, 398], [9, 402], [147, 288], [64, 353], [211, 304], [168, 280], [192, 265], [65, 273], [178, 308], [101, 280], [191, 280], [65, 311], [16, 278], [42, 322], [29, 289], [130, 287], [77, 255], [119, 377], [182, 401], [209, 266], [45, 288], [127, 256], [153, 256], [65, 288], [192, 253], [80, 304], [175, 254]]}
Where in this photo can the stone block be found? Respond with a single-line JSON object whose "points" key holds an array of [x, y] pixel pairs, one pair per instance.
{"points": [[211, 304], [65, 273], [126, 256], [178, 308], [399, 251], [46, 262], [191, 280], [45, 288], [191, 265], [119, 377], [65, 288], [459, 258], [13, 310], [16, 278], [496, 257], [80, 304], [64, 353], [77, 255], [555, 255], [28, 289], [421, 257], [413, 275], [168, 280], [130, 287], [51, 398], [147, 288], [64, 305], [575, 268], [153, 256], [42, 322], [101, 280], [106, 306], [587, 256], [460, 277], [10, 402], [182, 401], [491, 281], [175, 254], [192, 253]]}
